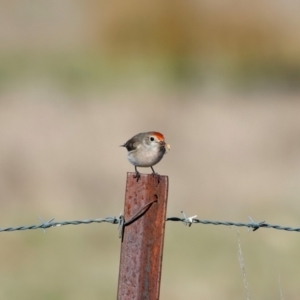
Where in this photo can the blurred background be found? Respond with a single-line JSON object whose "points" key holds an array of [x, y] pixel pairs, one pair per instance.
{"points": [[221, 81]]}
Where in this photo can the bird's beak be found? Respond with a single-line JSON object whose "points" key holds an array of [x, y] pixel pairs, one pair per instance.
{"points": [[167, 147]]}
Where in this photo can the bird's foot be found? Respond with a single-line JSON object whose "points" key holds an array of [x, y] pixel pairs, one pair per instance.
{"points": [[137, 175], [156, 175]]}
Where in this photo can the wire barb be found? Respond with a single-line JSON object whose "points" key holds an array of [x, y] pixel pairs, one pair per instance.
{"points": [[255, 225], [188, 221], [46, 224]]}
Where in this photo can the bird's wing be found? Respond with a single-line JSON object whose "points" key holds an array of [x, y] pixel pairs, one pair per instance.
{"points": [[130, 145]]}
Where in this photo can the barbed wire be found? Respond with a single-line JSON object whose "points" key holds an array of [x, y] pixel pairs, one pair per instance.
{"points": [[252, 225], [121, 222], [48, 224]]}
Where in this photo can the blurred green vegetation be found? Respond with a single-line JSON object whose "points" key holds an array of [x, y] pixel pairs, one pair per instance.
{"points": [[167, 44], [84, 71]]}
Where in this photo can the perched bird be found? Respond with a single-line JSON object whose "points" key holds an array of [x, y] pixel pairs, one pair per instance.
{"points": [[146, 150]]}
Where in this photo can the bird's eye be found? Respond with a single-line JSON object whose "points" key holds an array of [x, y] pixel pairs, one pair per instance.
{"points": [[152, 138]]}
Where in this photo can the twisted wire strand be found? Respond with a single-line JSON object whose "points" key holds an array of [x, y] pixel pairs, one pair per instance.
{"points": [[117, 220], [45, 225], [253, 225]]}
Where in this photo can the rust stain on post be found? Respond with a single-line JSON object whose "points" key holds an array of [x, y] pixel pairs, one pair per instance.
{"points": [[142, 245]]}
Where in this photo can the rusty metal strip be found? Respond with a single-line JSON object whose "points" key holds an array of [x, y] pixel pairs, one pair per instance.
{"points": [[143, 237]]}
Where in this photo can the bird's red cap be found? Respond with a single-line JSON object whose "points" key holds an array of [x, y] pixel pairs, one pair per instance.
{"points": [[159, 135]]}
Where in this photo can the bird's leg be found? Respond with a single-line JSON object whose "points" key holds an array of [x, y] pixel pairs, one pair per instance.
{"points": [[137, 174], [155, 174]]}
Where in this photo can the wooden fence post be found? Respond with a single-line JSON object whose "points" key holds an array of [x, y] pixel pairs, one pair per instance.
{"points": [[143, 237]]}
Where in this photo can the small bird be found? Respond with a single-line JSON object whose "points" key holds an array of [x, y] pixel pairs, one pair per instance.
{"points": [[146, 149]]}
